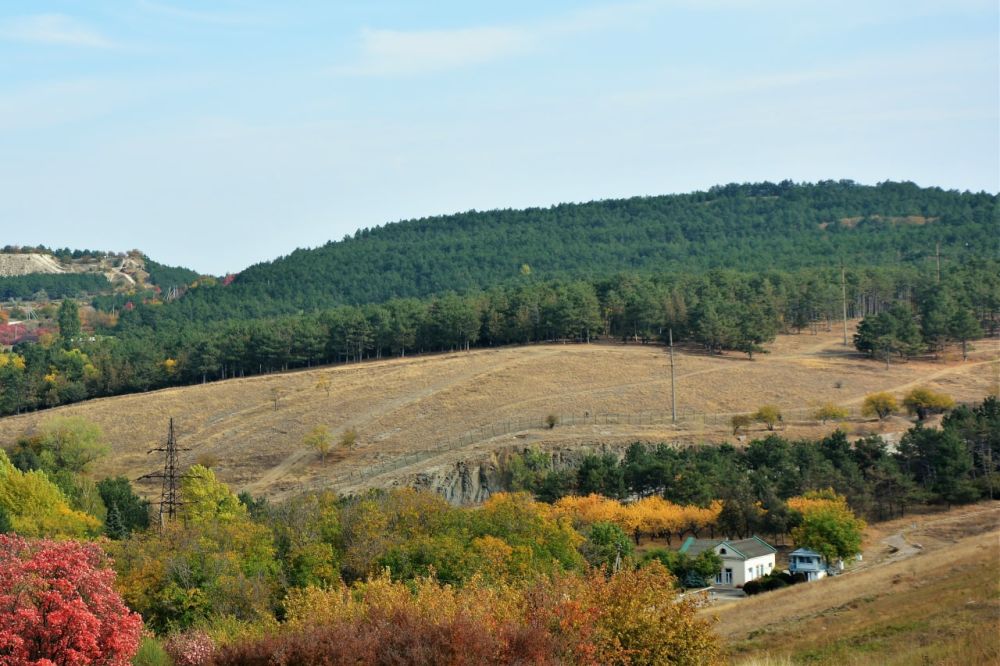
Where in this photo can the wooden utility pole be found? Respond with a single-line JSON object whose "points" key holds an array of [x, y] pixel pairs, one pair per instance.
{"points": [[673, 389], [843, 293]]}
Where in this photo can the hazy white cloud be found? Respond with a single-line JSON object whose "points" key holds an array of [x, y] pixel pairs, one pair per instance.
{"points": [[395, 52], [385, 52], [56, 29]]}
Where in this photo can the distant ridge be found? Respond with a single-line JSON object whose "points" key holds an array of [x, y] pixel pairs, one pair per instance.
{"points": [[753, 227]]}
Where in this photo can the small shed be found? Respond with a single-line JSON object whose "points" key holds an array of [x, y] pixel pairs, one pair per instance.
{"points": [[807, 562]]}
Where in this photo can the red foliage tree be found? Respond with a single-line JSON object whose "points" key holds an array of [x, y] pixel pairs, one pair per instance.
{"points": [[58, 606]]}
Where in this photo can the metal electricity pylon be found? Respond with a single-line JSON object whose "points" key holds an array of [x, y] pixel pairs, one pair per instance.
{"points": [[170, 476]]}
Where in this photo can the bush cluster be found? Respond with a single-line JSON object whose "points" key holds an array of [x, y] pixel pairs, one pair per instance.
{"points": [[633, 616], [772, 581]]}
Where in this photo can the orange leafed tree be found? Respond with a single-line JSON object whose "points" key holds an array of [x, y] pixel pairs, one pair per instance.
{"points": [[647, 516]]}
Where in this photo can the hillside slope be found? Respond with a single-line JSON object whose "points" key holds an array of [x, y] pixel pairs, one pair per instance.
{"points": [[442, 415], [926, 593], [750, 227]]}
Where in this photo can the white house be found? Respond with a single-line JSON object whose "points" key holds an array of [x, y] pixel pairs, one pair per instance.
{"points": [[743, 560]]}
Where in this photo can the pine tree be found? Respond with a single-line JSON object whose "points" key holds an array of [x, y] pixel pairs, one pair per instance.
{"points": [[964, 327], [69, 319], [114, 526]]}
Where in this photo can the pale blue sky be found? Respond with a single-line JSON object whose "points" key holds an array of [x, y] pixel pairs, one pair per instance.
{"points": [[219, 134]]}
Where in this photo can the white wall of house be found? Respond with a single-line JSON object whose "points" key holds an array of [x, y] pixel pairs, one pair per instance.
{"points": [[737, 571]]}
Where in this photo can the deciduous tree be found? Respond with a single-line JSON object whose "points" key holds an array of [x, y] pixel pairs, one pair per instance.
{"points": [[879, 404], [58, 605], [320, 440], [923, 401]]}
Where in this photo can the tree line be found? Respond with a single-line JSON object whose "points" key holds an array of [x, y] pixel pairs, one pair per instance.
{"points": [[958, 463], [151, 346]]}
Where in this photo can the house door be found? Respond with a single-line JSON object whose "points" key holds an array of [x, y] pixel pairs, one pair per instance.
{"points": [[727, 577]]}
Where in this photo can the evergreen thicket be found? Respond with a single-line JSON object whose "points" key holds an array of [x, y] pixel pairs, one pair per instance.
{"points": [[751, 227], [42, 286]]}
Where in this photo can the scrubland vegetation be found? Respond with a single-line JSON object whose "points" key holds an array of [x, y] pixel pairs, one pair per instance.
{"points": [[238, 579]]}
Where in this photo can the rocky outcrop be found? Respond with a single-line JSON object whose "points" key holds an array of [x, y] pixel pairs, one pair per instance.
{"points": [[464, 482], [473, 481], [25, 264]]}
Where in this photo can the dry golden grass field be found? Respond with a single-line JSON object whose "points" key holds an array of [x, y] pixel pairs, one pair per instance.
{"points": [[928, 592], [401, 407]]}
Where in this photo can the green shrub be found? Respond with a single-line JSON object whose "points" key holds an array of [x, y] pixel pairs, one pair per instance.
{"points": [[830, 412], [151, 653], [773, 584], [772, 581]]}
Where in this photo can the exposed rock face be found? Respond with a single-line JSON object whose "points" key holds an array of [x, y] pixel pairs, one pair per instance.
{"points": [[120, 270], [25, 264], [473, 481], [462, 483]]}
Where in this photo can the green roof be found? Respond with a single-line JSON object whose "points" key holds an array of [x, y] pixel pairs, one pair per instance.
{"points": [[743, 548]]}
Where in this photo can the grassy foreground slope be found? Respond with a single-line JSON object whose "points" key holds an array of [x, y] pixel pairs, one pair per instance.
{"points": [[754, 227], [927, 593]]}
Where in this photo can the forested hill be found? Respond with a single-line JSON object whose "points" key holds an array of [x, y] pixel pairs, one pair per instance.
{"points": [[750, 227]]}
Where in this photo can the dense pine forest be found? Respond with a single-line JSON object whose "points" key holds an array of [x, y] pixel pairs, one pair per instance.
{"points": [[54, 285], [750, 227]]}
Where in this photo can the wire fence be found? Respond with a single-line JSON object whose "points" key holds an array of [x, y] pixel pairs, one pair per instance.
{"points": [[686, 418]]}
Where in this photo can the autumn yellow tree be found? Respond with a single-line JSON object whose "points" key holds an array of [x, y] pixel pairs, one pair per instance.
{"points": [[830, 412], [828, 525], [37, 508], [879, 404], [349, 438], [769, 415], [922, 401], [320, 440], [215, 561]]}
